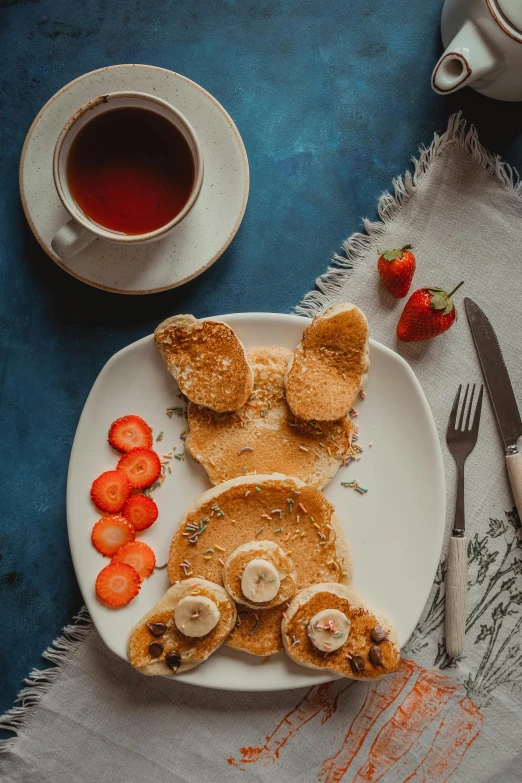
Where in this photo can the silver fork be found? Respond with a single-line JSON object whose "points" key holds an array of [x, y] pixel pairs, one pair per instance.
{"points": [[461, 441]]}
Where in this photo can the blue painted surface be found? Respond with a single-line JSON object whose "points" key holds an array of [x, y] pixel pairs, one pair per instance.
{"points": [[331, 98]]}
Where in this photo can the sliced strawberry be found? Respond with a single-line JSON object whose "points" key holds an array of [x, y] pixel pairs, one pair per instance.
{"points": [[117, 584], [141, 466], [111, 533], [110, 491], [140, 511], [138, 555], [130, 432]]}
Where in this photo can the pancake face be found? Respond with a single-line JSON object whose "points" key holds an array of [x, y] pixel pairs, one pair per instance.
{"points": [[369, 647], [264, 436], [330, 365], [208, 361], [259, 575], [273, 508], [157, 646], [258, 633]]}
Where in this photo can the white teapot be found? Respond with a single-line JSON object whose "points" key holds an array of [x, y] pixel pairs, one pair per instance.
{"points": [[483, 40]]}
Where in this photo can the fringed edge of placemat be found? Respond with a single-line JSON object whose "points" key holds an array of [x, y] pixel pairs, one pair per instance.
{"points": [[344, 266], [39, 681]]}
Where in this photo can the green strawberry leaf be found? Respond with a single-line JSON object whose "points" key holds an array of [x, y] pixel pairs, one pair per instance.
{"points": [[391, 255], [396, 252], [441, 300]]}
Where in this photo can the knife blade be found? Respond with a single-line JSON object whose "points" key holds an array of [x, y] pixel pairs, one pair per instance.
{"points": [[496, 375], [501, 393]]}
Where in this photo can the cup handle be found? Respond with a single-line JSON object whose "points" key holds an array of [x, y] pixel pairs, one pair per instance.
{"points": [[70, 239]]}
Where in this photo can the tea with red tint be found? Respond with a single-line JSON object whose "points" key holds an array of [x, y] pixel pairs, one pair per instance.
{"points": [[130, 170]]}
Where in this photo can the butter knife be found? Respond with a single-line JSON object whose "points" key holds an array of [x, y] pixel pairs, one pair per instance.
{"points": [[500, 392]]}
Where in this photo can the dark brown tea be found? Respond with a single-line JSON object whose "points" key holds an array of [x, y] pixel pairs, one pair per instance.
{"points": [[130, 170]]}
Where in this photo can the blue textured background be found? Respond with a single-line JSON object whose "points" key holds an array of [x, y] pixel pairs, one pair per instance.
{"points": [[331, 98]]}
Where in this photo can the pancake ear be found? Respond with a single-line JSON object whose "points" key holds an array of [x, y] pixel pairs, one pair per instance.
{"points": [[208, 361], [329, 367]]}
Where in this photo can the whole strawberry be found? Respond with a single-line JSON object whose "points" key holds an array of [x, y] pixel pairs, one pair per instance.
{"points": [[396, 268], [427, 313]]}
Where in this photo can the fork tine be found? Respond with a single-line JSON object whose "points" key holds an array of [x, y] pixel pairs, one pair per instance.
{"points": [[463, 408], [476, 418], [468, 417], [453, 415]]}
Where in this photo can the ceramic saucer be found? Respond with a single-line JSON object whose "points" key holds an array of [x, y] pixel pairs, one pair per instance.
{"points": [[201, 237]]}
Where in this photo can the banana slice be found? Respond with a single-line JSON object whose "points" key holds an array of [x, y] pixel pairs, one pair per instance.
{"points": [[328, 630], [260, 581], [196, 615], [259, 574]]}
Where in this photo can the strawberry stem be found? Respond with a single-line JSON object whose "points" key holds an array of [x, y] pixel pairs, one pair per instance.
{"points": [[455, 289]]}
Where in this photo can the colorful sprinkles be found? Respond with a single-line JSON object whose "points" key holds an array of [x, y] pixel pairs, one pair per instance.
{"points": [[170, 411]]}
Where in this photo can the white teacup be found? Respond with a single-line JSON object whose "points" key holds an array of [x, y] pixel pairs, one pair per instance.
{"points": [[79, 232]]}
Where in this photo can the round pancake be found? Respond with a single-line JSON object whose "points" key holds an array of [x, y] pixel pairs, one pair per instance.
{"points": [[264, 436], [267, 550], [234, 514], [362, 618], [192, 650]]}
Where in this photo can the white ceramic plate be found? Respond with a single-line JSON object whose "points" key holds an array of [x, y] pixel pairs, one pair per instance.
{"points": [[395, 530], [198, 240]]}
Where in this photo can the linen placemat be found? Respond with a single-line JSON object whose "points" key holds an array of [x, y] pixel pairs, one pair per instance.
{"points": [[95, 719]]}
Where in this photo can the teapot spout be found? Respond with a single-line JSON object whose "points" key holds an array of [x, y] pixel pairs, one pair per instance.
{"points": [[467, 60]]}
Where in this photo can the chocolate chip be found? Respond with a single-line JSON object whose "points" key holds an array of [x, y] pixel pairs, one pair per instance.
{"points": [[157, 629], [378, 634], [375, 656], [173, 660], [357, 663], [155, 649]]}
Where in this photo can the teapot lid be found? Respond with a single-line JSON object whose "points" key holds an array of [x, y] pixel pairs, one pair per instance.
{"points": [[511, 11]]}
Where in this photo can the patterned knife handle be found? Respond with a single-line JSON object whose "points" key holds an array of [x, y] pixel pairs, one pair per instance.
{"points": [[514, 469]]}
